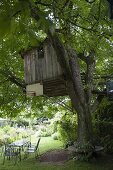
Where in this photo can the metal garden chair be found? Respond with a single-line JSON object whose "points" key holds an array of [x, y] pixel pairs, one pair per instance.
{"points": [[33, 149], [11, 152]]}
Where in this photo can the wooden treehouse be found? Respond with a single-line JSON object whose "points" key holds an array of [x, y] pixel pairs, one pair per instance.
{"points": [[43, 74]]}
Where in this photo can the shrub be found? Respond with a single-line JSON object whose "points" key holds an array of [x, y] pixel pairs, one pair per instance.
{"points": [[1, 141], [44, 134], [9, 140], [43, 129], [55, 136], [105, 112], [103, 128], [1, 132], [67, 128], [107, 142], [6, 129], [24, 134], [7, 134], [53, 127], [22, 122]]}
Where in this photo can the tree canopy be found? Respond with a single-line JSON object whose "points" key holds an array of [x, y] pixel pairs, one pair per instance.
{"points": [[85, 25]]}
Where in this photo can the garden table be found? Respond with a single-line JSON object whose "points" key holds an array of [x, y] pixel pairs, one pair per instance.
{"points": [[20, 144]]}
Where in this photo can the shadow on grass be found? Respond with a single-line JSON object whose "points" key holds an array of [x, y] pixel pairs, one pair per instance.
{"points": [[103, 163]]}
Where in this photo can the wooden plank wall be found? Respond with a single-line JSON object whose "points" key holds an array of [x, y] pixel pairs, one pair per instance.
{"points": [[53, 68], [39, 68]]}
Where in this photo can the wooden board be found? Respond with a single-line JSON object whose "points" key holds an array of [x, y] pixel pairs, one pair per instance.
{"points": [[41, 68]]}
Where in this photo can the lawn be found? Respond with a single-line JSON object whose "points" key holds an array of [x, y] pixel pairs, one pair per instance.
{"points": [[47, 143]]}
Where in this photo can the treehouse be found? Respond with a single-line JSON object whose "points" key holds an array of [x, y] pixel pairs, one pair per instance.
{"points": [[43, 73]]}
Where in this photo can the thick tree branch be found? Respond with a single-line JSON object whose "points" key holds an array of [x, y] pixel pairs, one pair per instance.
{"points": [[73, 96], [89, 76], [60, 102], [91, 29], [96, 104], [34, 12], [89, 82], [68, 4], [17, 81], [76, 76], [12, 77], [87, 59], [16, 13]]}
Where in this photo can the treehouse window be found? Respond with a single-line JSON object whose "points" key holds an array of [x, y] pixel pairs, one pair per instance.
{"points": [[41, 52]]}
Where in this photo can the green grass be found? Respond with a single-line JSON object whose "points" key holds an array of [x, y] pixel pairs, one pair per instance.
{"points": [[46, 144]]}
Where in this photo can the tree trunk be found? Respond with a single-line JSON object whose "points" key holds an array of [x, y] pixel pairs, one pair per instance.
{"points": [[84, 132], [69, 62]]}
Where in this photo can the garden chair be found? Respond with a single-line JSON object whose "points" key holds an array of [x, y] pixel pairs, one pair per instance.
{"points": [[11, 152], [33, 149]]}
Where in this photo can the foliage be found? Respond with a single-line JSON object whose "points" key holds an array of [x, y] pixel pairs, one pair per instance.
{"points": [[55, 136], [103, 128], [67, 128], [82, 25], [8, 134], [22, 122], [44, 134], [1, 142], [107, 143], [1, 137], [103, 125], [105, 112], [103, 120]]}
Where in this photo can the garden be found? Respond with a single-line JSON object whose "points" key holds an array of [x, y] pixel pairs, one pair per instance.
{"points": [[56, 84], [57, 135], [48, 144]]}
